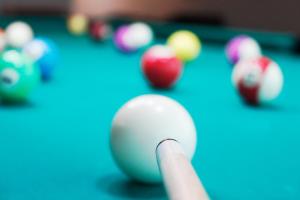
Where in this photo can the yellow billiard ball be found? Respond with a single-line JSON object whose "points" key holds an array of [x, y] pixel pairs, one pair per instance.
{"points": [[186, 45], [77, 24]]}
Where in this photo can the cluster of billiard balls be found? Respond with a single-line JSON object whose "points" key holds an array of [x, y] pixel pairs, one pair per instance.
{"points": [[127, 38], [24, 61], [79, 24], [139, 127], [257, 78], [145, 122], [162, 65]]}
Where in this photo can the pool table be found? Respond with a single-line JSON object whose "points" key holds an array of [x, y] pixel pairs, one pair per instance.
{"points": [[56, 145]]}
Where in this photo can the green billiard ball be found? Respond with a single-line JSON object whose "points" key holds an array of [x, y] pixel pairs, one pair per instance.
{"points": [[18, 76]]}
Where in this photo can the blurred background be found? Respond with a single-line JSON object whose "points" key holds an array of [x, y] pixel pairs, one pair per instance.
{"points": [[265, 15], [91, 61]]}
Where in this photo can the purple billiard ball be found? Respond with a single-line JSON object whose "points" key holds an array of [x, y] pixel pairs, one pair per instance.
{"points": [[121, 39], [242, 47]]}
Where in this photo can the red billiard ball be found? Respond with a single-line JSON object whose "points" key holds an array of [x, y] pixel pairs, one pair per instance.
{"points": [[257, 80], [161, 67], [2, 40], [99, 30]]}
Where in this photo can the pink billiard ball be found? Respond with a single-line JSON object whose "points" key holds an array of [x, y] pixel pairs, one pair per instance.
{"points": [[161, 67], [257, 80], [242, 47], [121, 39]]}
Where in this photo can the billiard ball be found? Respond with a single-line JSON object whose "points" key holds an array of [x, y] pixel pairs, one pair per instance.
{"points": [[161, 67], [2, 40], [258, 80], [139, 35], [77, 24], [99, 30], [140, 126], [18, 76], [242, 47], [121, 39], [186, 45], [17, 34], [45, 53]]}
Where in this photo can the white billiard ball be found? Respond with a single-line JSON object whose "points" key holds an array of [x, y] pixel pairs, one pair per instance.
{"points": [[18, 34], [139, 35], [138, 128]]}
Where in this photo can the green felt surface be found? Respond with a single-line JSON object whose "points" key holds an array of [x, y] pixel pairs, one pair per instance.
{"points": [[56, 146]]}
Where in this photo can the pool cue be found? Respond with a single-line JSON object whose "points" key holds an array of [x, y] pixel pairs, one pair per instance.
{"points": [[179, 177]]}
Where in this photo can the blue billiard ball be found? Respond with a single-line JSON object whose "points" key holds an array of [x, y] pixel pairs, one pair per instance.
{"points": [[45, 53]]}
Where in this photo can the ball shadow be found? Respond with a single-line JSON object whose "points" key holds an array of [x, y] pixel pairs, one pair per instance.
{"points": [[265, 107], [119, 186], [96, 42], [162, 90], [46, 80], [16, 104]]}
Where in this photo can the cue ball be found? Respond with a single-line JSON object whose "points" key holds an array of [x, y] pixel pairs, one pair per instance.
{"points": [[242, 47], [18, 76], [186, 45], [257, 80], [161, 67], [77, 24], [45, 53], [140, 125], [139, 35], [18, 33]]}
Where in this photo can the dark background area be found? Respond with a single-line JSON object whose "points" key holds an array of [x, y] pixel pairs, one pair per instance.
{"points": [[263, 15]]}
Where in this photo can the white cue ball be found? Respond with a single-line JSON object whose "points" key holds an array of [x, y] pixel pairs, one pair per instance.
{"points": [[140, 125], [18, 34]]}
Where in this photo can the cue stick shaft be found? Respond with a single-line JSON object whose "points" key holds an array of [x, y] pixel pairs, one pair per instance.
{"points": [[180, 179]]}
